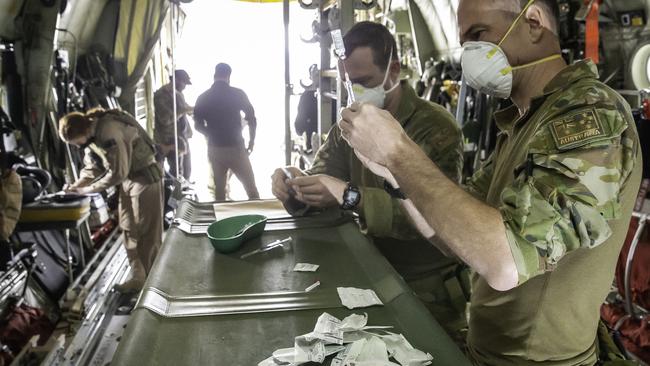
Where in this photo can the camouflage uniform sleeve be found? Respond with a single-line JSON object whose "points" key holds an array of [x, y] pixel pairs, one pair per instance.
{"points": [[436, 132], [383, 216], [563, 197], [164, 117], [333, 158], [444, 147], [479, 183], [181, 105]]}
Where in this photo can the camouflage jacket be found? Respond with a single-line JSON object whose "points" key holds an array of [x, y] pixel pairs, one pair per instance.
{"points": [[564, 177], [431, 127], [164, 120]]}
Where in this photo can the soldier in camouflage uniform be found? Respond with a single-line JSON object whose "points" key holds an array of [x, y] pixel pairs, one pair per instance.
{"points": [[164, 124], [547, 213], [369, 47]]}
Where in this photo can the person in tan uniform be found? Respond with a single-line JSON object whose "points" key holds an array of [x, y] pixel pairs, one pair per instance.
{"points": [[118, 152]]}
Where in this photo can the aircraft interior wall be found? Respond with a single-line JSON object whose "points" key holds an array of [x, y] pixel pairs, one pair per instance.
{"points": [[61, 264]]}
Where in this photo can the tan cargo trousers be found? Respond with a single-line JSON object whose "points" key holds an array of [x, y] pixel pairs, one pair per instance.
{"points": [[235, 159], [141, 219]]}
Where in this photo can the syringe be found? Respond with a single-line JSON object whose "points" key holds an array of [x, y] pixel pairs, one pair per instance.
{"points": [[339, 49]]}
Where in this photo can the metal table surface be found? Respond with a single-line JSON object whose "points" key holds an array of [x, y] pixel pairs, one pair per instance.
{"points": [[188, 266]]}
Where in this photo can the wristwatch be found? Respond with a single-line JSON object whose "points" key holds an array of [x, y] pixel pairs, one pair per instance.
{"points": [[351, 197], [394, 192]]}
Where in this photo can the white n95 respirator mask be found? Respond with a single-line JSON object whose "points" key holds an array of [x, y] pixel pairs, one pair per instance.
{"points": [[377, 95], [486, 67]]}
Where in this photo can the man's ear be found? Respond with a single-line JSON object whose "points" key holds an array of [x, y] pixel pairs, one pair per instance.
{"points": [[395, 68], [539, 22]]}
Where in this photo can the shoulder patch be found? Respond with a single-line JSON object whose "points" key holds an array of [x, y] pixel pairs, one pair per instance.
{"points": [[108, 144], [577, 128]]}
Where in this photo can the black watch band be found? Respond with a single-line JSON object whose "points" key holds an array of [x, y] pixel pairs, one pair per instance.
{"points": [[351, 197], [393, 192]]}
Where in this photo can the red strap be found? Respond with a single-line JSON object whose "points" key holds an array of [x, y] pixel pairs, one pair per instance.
{"points": [[592, 37]]}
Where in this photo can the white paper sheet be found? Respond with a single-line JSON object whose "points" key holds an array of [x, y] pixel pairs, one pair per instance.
{"points": [[305, 267], [353, 298]]}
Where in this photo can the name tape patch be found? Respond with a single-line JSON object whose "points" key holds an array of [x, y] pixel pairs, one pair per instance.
{"points": [[577, 128]]}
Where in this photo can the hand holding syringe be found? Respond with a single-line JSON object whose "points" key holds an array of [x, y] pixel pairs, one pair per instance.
{"points": [[339, 49]]}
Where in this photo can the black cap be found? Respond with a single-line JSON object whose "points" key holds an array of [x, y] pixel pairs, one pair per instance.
{"points": [[182, 75]]}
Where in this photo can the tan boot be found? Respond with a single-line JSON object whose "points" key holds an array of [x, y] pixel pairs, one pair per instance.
{"points": [[132, 285], [138, 276]]}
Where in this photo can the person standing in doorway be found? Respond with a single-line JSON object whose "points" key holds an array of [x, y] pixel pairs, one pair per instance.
{"points": [[164, 124], [218, 115]]}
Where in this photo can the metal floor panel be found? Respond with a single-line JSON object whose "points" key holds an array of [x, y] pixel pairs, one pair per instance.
{"points": [[94, 309], [109, 341]]}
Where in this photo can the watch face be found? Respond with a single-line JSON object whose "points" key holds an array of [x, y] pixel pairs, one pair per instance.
{"points": [[352, 197]]}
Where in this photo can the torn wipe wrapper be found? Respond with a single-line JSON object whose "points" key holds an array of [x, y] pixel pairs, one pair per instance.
{"points": [[305, 267], [373, 353], [309, 349], [328, 329], [350, 354], [364, 347], [402, 351], [353, 298]]}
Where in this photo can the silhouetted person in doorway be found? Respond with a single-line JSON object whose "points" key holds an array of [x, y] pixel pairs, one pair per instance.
{"points": [[217, 115]]}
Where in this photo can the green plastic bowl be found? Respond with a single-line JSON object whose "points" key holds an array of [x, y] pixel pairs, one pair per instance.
{"points": [[229, 234]]}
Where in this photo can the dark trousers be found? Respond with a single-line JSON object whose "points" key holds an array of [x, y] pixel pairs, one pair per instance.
{"points": [[185, 162]]}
